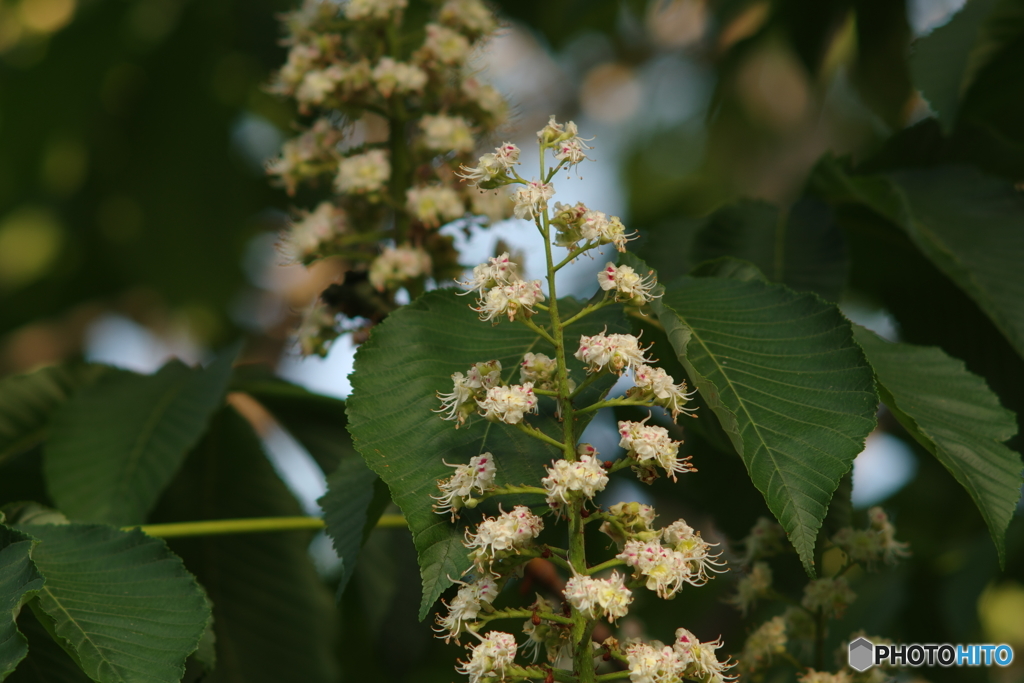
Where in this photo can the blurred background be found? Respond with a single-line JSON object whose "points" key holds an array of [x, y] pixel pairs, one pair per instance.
{"points": [[137, 224]]}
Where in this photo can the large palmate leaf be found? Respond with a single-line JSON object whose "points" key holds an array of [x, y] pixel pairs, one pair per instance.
{"points": [[785, 378], [116, 444], [316, 421], [956, 417], [28, 401], [969, 225], [118, 601], [19, 581], [802, 248], [408, 359], [273, 617], [355, 499]]}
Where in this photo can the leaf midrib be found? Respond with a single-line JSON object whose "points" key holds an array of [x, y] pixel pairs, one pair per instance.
{"points": [[85, 634]]}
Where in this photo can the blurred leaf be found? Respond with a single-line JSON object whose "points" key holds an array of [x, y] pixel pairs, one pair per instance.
{"points": [[782, 373], [957, 418], [969, 225], [47, 662], [880, 71], [120, 601], [355, 499], [115, 445], [19, 581], [802, 248], [939, 63], [273, 616], [28, 401], [316, 421], [409, 358]]}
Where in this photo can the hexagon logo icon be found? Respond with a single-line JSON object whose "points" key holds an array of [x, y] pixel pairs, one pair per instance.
{"points": [[862, 654]]}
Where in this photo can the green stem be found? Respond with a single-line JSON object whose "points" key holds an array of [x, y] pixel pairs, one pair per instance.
{"points": [[611, 403], [539, 435], [591, 378], [540, 330], [246, 526], [615, 675], [522, 614], [587, 310], [573, 254], [614, 562]]}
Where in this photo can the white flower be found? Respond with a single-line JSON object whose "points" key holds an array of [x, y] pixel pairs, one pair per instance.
{"points": [[397, 265], [466, 606], [433, 205], [651, 443], [318, 330], [308, 236], [627, 284], [512, 300], [597, 598], [531, 199], [499, 270], [443, 45], [700, 659], [754, 585], [768, 640], [538, 369], [398, 77], [494, 204], [885, 538], [491, 167], [681, 537], [477, 474], [657, 385], [508, 404], [469, 15], [495, 652], [665, 570], [766, 538], [317, 84], [586, 475], [360, 10], [613, 351], [597, 227], [361, 173], [509, 531], [446, 133], [648, 664], [831, 596], [486, 97]]}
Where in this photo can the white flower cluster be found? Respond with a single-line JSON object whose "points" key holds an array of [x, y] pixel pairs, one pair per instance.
{"points": [[446, 134], [364, 10], [655, 385], [462, 401], [509, 531], [831, 596], [599, 598], [363, 173], [538, 369], [877, 542], [508, 404], [686, 658], [531, 200], [397, 265], [679, 556], [393, 77], [650, 445], [515, 300], [767, 640], [497, 272], [755, 584], [490, 657], [565, 140], [492, 168], [457, 489], [627, 284], [466, 606], [586, 475], [615, 352], [434, 205], [316, 231]]}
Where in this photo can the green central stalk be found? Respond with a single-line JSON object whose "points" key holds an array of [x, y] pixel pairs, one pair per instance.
{"points": [[583, 660]]}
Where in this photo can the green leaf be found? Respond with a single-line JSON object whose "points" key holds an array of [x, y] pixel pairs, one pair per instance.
{"points": [[398, 372], [119, 601], [957, 418], [19, 581], [802, 248], [28, 401], [316, 421], [939, 63], [47, 662], [785, 378], [274, 619], [969, 225], [116, 444], [355, 499]]}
